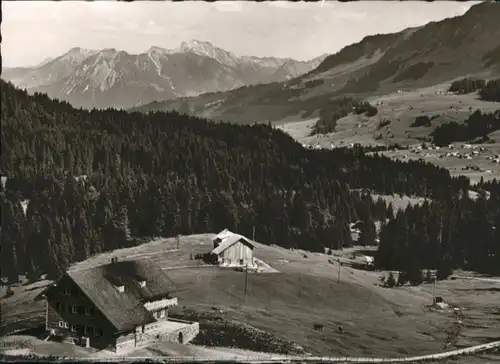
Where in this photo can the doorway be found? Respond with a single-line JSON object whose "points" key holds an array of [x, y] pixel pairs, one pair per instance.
{"points": [[181, 338]]}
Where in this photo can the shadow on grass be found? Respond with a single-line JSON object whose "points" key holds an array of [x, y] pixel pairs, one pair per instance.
{"points": [[490, 289], [368, 252], [37, 287], [28, 282], [35, 329]]}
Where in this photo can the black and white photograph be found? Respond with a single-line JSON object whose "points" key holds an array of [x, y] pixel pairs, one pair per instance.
{"points": [[250, 182]]}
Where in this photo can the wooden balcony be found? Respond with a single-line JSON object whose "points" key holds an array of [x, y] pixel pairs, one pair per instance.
{"points": [[163, 303]]}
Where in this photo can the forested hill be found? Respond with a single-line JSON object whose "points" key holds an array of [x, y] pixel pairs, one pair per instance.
{"points": [[98, 180]]}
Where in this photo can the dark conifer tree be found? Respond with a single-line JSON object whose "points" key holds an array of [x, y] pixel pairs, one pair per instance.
{"points": [[171, 174], [368, 233]]}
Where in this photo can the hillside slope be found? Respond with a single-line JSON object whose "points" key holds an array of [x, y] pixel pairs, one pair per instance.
{"points": [[376, 321], [112, 78], [261, 176], [379, 64]]}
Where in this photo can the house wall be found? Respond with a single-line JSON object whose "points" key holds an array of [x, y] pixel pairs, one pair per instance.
{"points": [[160, 330], [235, 253], [79, 321], [157, 332], [74, 323]]}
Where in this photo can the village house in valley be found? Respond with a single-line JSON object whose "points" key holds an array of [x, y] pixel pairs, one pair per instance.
{"points": [[232, 249], [117, 306]]}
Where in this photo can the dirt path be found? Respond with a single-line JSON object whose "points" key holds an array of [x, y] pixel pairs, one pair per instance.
{"points": [[496, 280]]}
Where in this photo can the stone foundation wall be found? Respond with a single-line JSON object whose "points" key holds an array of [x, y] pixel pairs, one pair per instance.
{"points": [[188, 332]]}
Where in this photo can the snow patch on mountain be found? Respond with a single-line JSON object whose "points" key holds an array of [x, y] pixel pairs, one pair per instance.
{"points": [[156, 62], [206, 49], [156, 55], [192, 68], [75, 55]]}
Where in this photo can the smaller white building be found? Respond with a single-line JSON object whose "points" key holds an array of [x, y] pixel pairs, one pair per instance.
{"points": [[233, 250]]}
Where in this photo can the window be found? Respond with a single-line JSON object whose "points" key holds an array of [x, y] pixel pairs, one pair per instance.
{"points": [[66, 325], [89, 311], [61, 324], [73, 327], [155, 314], [74, 309], [88, 330], [58, 306], [162, 313], [81, 310], [79, 328], [67, 291]]}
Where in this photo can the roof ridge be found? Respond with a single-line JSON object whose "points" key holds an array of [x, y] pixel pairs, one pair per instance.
{"points": [[74, 269], [94, 303], [123, 310], [229, 241]]}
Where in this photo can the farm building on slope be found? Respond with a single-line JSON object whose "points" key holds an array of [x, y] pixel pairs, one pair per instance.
{"points": [[118, 306], [233, 249]]}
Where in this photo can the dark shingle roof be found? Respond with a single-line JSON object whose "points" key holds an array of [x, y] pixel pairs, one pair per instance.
{"points": [[124, 310]]}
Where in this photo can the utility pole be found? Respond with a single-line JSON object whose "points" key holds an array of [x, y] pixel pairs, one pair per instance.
{"points": [[440, 243], [178, 241], [434, 291], [246, 282], [441, 228], [253, 233], [338, 275]]}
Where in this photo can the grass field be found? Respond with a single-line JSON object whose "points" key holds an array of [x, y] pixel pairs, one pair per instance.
{"points": [[376, 321], [402, 109], [487, 169], [400, 202]]}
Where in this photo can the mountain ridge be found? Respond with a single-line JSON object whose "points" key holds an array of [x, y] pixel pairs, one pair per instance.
{"points": [[112, 78], [413, 58]]}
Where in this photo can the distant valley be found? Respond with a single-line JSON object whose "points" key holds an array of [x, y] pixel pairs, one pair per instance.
{"points": [[348, 209], [414, 58], [113, 78]]}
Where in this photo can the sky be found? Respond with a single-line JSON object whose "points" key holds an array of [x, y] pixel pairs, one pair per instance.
{"points": [[35, 31]]}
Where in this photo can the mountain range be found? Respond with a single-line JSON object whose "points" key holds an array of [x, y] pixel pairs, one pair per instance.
{"points": [[112, 78], [438, 52]]}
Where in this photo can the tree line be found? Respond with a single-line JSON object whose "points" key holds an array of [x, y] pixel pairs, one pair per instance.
{"points": [[339, 108], [488, 91], [466, 86], [491, 91], [476, 128], [457, 233], [94, 181], [424, 120]]}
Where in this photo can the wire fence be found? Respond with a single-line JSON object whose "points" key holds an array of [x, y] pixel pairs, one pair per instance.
{"points": [[269, 358]]}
